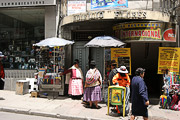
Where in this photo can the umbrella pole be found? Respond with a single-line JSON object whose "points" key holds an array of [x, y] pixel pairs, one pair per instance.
{"points": [[104, 73]]}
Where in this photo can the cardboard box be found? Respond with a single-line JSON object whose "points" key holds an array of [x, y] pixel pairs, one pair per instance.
{"points": [[22, 87]]}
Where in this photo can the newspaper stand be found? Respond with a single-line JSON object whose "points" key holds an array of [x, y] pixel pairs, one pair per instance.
{"points": [[116, 97]]}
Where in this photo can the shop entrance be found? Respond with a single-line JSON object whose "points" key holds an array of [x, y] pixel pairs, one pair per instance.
{"points": [[145, 55]]}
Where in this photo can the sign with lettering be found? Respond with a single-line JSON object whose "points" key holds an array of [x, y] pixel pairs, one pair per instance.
{"points": [[76, 7], [21, 3], [168, 59], [145, 31], [169, 35], [106, 4], [122, 56]]}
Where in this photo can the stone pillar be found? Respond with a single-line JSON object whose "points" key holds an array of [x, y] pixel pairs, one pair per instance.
{"points": [[50, 21]]}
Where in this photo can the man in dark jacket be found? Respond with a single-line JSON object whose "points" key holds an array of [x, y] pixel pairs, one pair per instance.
{"points": [[139, 95]]}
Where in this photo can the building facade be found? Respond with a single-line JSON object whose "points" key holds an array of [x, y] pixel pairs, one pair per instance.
{"points": [[24, 23], [153, 17]]}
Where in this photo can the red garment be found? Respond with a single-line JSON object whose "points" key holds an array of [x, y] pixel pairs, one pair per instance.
{"points": [[2, 74]]}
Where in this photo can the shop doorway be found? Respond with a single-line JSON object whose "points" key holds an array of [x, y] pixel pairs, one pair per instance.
{"points": [[146, 55]]}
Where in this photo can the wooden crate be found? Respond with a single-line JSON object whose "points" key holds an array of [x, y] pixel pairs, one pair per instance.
{"points": [[22, 87], [34, 94]]}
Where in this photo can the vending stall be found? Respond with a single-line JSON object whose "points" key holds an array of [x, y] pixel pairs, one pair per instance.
{"points": [[51, 62]]}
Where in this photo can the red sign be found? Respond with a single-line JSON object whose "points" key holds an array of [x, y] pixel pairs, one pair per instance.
{"points": [[169, 35]]}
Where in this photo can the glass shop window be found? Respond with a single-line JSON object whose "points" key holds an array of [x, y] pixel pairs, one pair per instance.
{"points": [[17, 36]]}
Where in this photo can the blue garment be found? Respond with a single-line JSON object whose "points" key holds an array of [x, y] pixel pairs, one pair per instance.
{"points": [[139, 97]]}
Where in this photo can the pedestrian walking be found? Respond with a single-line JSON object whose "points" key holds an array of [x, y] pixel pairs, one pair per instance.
{"points": [[2, 74], [76, 79], [139, 96], [93, 84], [122, 79]]}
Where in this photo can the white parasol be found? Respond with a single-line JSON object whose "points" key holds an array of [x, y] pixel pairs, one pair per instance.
{"points": [[53, 42], [104, 41]]}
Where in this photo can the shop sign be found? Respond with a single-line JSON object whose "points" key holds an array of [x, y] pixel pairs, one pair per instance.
{"points": [[88, 16], [122, 56], [169, 35], [145, 31], [21, 3], [108, 4], [76, 7], [123, 14], [168, 59]]}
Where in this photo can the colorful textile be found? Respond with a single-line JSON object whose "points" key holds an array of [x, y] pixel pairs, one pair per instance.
{"points": [[163, 101], [175, 103], [93, 78], [92, 94]]}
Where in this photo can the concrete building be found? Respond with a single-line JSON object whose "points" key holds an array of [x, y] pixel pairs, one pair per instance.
{"points": [[83, 23], [23, 23]]}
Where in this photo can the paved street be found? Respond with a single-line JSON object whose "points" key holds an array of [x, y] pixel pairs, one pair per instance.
{"points": [[14, 116], [67, 108]]}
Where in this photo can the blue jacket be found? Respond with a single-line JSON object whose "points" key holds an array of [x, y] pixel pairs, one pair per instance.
{"points": [[139, 95]]}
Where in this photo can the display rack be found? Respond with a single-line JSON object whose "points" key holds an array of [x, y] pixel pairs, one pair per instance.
{"points": [[52, 59]]}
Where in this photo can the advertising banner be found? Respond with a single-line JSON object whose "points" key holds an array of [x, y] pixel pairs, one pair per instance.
{"points": [[108, 4], [145, 31], [122, 56], [168, 59], [76, 7], [116, 96]]}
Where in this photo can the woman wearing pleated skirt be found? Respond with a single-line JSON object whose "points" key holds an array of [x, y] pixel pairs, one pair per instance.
{"points": [[92, 93]]}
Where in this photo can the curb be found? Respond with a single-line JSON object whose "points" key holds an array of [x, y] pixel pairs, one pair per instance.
{"points": [[44, 114]]}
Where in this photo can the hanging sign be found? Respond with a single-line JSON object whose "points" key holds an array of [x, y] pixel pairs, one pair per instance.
{"points": [[106, 4], [168, 59], [145, 31], [122, 56]]}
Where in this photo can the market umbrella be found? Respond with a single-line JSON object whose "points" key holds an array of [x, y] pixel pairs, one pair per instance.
{"points": [[53, 42], [104, 41]]}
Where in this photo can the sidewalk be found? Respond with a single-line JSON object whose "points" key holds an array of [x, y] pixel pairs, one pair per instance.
{"points": [[64, 107]]}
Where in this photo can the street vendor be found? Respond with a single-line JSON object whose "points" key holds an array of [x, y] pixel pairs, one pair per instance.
{"points": [[122, 79], [76, 79]]}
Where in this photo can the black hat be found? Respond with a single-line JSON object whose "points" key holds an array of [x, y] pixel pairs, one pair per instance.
{"points": [[93, 62], [113, 62]]}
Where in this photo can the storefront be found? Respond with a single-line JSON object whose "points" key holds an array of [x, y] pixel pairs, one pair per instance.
{"points": [[22, 24], [144, 52], [144, 39]]}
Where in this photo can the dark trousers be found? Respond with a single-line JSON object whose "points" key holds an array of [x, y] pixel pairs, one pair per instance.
{"points": [[1, 84]]}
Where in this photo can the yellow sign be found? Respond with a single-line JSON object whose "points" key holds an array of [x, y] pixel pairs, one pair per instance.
{"points": [[168, 59], [122, 56], [116, 96]]}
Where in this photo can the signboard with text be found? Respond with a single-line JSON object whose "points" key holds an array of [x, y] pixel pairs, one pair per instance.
{"points": [[145, 31], [108, 4], [122, 56], [168, 59], [76, 7]]}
